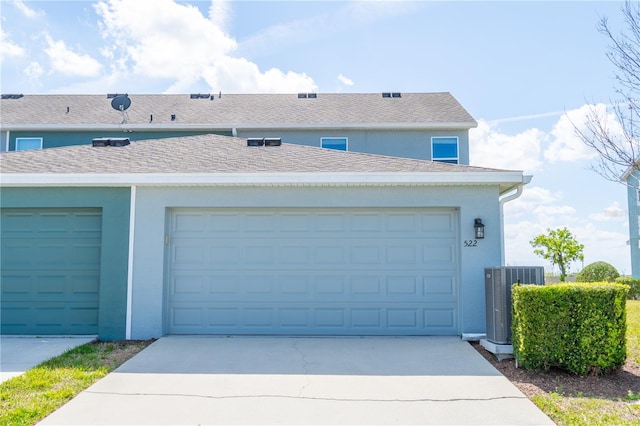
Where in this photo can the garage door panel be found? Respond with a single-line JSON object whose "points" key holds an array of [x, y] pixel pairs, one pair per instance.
{"points": [[296, 319], [44, 318], [50, 271], [363, 271], [34, 286]]}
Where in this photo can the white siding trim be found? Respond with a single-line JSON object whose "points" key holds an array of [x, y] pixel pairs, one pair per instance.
{"points": [[511, 178], [132, 221], [229, 127]]}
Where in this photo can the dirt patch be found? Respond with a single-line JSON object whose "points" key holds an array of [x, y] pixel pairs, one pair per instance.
{"points": [[613, 386], [114, 354]]}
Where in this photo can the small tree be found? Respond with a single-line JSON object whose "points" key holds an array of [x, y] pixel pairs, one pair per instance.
{"points": [[559, 247], [597, 272]]}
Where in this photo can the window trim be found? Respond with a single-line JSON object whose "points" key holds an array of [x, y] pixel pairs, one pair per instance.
{"points": [[346, 142], [449, 160], [27, 138]]}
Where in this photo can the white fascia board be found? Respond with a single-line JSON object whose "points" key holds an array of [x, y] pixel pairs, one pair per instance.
{"points": [[228, 127], [631, 170], [505, 179]]}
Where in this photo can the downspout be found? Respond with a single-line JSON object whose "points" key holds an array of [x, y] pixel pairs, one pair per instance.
{"points": [[234, 132], [6, 141], [525, 180], [132, 221]]}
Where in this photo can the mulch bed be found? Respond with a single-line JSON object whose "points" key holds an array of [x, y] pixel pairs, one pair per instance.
{"points": [[613, 386]]}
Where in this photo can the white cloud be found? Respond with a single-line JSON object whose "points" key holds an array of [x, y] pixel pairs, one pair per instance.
{"points": [[168, 40], [565, 144], [220, 13], [612, 212], [33, 72], [240, 75], [8, 48], [26, 10], [65, 61], [531, 198], [345, 80], [489, 147], [539, 209], [601, 245]]}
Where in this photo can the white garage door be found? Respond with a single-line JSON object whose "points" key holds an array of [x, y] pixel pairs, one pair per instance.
{"points": [[313, 272]]}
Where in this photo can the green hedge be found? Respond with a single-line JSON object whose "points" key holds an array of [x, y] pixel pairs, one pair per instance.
{"points": [[577, 327], [634, 286]]}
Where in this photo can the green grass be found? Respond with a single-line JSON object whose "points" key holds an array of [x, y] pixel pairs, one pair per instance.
{"points": [[581, 410], [633, 331], [27, 399], [584, 411]]}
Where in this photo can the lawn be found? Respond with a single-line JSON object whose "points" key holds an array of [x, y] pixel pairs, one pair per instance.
{"points": [[633, 330], [27, 399]]}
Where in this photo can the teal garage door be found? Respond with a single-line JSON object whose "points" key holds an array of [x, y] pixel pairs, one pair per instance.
{"points": [[50, 270], [313, 272]]}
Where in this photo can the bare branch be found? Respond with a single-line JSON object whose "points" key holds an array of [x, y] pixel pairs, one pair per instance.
{"points": [[615, 135]]}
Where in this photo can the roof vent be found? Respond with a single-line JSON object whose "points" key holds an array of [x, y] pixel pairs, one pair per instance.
{"points": [[272, 141], [173, 117], [396, 95], [113, 95], [201, 96], [264, 142], [255, 142], [99, 142], [312, 95], [386, 94], [12, 96], [302, 96], [307, 95]]}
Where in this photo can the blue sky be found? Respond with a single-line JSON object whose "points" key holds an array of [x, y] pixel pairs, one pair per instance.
{"points": [[520, 68]]}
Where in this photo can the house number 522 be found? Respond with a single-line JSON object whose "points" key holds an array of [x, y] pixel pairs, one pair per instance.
{"points": [[470, 243]]}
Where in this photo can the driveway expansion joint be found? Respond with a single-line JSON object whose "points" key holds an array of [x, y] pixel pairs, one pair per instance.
{"points": [[305, 365], [313, 398]]}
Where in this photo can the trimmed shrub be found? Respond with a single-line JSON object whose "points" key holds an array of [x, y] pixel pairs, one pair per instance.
{"points": [[634, 286], [597, 272], [576, 327]]}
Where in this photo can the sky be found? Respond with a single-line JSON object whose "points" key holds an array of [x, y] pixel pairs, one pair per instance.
{"points": [[526, 71]]}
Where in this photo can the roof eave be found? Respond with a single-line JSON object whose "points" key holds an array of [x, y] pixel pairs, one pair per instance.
{"points": [[228, 127], [506, 180]]}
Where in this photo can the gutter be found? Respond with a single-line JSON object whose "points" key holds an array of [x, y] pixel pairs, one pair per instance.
{"points": [[229, 127], [525, 180], [506, 179]]}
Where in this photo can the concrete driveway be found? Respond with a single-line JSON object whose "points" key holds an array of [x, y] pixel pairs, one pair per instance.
{"points": [[286, 380], [20, 353]]}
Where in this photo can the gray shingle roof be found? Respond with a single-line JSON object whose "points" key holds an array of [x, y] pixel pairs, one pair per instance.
{"points": [[238, 110], [211, 154]]}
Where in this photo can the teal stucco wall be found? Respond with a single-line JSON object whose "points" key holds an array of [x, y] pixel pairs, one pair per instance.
{"points": [[67, 138], [395, 143], [153, 205], [115, 206]]}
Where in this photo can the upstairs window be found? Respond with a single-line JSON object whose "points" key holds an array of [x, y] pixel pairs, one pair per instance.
{"points": [[23, 144], [445, 149], [334, 143]]}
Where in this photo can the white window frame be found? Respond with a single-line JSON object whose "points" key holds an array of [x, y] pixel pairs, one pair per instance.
{"points": [[346, 141], [447, 160], [18, 140]]}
